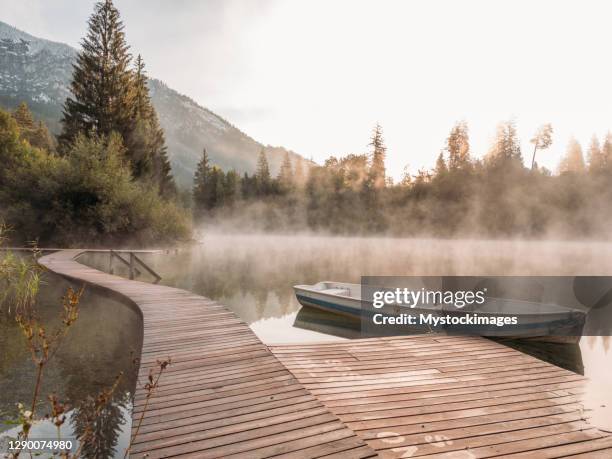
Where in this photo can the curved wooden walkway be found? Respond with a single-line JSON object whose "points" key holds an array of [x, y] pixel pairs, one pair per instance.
{"points": [[225, 394]]}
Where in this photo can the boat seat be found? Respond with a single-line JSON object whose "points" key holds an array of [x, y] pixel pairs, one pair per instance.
{"points": [[337, 291]]}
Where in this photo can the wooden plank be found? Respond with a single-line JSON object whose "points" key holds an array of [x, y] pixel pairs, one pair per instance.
{"points": [[447, 397], [497, 431], [442, 446], [547, 447], [224, 393], [288, 435]]}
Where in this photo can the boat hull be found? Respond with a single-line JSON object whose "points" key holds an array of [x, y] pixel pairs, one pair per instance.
{"points": [[346, 301]]}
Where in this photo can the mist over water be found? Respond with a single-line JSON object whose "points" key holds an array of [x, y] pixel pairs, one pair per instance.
{"points": [[253, 275]]}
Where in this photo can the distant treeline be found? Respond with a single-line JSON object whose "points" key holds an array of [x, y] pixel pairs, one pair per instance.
{"points": [[497, 196], [106, 179]]}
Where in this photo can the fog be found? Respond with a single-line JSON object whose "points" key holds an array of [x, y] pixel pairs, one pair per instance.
{"points": [[353, 257], [253, 274]]}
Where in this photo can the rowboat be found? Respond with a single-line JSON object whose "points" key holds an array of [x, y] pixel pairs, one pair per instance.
{"points": [[532, 320]]}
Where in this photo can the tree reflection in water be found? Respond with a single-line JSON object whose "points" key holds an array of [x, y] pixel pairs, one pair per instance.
{"points": [[106, 426]]}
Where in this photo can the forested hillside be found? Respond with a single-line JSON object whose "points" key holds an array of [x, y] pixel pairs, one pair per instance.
{"points": [[38, 72], [106, 178]]}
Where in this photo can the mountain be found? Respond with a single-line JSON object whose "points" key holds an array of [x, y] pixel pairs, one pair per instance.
{"points": [[38, 72]]}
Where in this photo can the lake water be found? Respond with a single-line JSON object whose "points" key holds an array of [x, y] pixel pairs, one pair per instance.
{"points": [[253, 275], [96, 349]]}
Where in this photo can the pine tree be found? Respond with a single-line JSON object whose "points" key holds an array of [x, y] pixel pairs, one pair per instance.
{"points": [[216, 195], [573, 162], [201, 185], [231, 187], [441, 167], [146, 143], [102, 80], [141, 98], [36, 133], [458, 147], [262, 175], [248, 187], [285, 176], [109, 96], [24, 117], [379, 152], [506, 149], [595, 157]]}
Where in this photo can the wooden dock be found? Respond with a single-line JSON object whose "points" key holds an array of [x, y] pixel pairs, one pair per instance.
{"points": [[444, 397], [227, 395]]}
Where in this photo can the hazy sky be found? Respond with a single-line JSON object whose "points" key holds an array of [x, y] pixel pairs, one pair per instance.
{"points": [[316, 75]]}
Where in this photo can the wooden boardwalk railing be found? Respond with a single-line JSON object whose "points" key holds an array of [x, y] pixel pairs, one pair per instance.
{"points": [[225, 394]]}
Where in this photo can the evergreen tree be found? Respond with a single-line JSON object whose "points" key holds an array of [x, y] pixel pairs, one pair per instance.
{"points": [[262, 175], [441, 167], [573, 162], [217, 188], [248, 186], [141, 134], [285, 176], [102, 80], [231, 187], [42, 138], [506, 149], [146, 143], [36, 133], [458, 147], [212, 188], [378, 154], [595, 157], [23, 116], [202, 185], [108, 96], [141, 98]]}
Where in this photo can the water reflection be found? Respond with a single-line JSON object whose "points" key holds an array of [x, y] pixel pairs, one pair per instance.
{"points": [[106, 426], [96, 349], [253, 274], [330, 324]]}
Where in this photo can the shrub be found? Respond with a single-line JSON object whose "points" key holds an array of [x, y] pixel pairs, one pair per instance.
{"points": [[86, 196]]}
